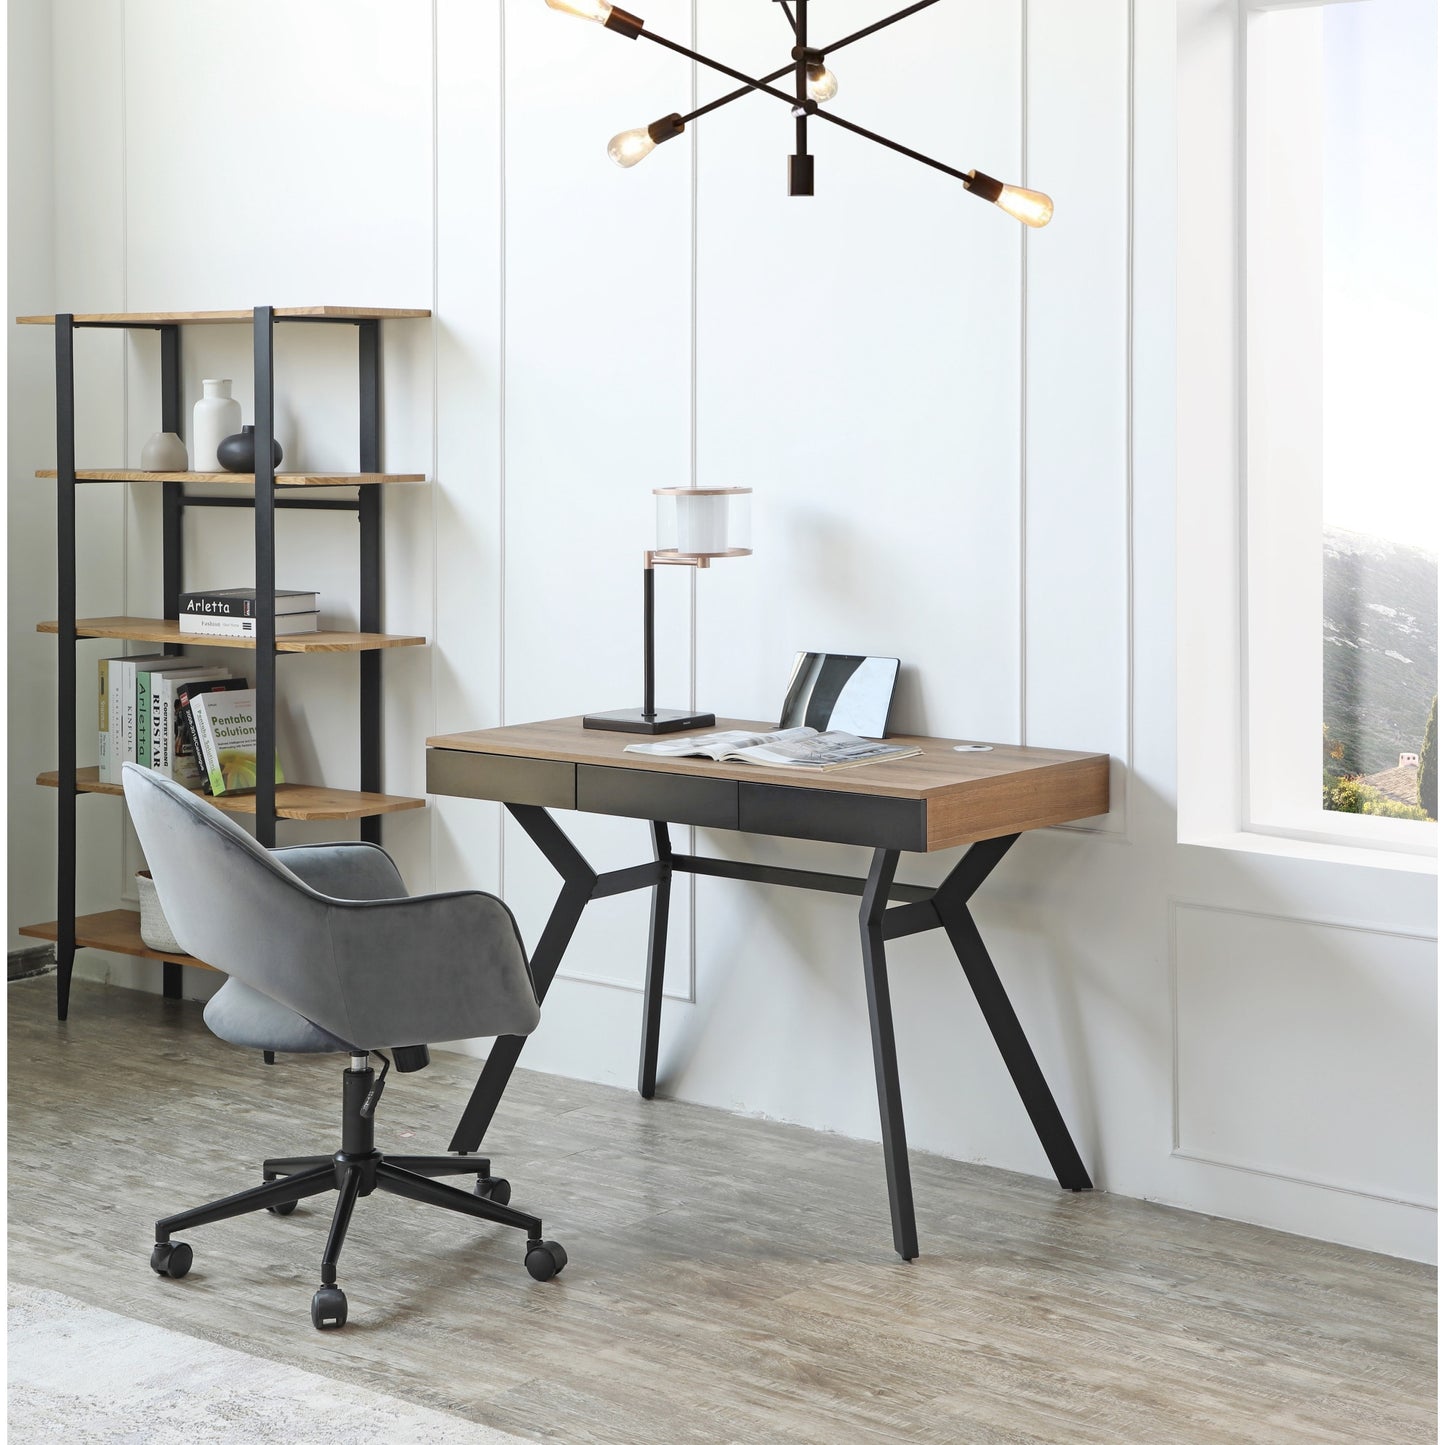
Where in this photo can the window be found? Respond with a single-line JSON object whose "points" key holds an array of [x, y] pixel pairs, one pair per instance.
{"points": [[1343, 391]]}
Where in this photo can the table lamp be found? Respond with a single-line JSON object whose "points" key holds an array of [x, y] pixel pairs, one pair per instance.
{"points": [[695, 525]]}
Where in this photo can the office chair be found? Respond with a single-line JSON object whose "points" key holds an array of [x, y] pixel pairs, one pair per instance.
{"points": [[325, 953]]}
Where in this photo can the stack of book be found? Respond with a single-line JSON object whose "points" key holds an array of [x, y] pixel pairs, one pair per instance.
{"points": [[188, 721], [231, 612]]}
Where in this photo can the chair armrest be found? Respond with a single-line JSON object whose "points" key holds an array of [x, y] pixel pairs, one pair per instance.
{"points": [[430, 969], [344, 870]]}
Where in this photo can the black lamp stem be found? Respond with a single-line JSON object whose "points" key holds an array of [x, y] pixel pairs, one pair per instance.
{"points": [[649, 701]]}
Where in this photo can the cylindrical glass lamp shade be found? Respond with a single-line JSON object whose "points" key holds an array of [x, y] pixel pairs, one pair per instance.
{"points": [[704, 521]]}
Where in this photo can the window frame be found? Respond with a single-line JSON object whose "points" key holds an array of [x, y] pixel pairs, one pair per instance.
{"points": [[1282, 412]]}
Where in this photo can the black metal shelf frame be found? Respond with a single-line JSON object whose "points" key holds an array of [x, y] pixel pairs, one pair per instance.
{"points": [[174, 501]]}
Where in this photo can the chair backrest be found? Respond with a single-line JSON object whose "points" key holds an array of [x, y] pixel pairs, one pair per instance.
{"points": [[376, 972], [229, 902]]}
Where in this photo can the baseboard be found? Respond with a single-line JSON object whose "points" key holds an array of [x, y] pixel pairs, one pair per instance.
{"points": [[29, 962]]}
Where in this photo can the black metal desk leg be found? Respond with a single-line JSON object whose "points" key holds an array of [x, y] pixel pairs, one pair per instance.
{"points": [[885, 1053], [656, 963], [1013, 1044], [577, 881]]}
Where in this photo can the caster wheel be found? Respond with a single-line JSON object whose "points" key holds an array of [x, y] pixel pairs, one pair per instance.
{"points": [[499, 1191], [277, 1208], [171, 1259], [328, 1308], [545, 1257]]}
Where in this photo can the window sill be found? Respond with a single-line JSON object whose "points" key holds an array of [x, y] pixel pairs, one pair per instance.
{"points": [[1318, 851]]}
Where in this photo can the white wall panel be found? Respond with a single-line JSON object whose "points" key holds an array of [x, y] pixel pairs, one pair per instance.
{"points": [[1077, 418], [858, 365], [468, 336], [597, 413], [280, 203], [1306, 1050], [30, 445]]}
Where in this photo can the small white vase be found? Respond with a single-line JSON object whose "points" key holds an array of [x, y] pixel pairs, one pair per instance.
{"points": [[217, 416], [164, 452]]}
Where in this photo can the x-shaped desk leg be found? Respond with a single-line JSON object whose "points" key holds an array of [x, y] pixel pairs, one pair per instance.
{"points": [[946, 907], [578, 881]]}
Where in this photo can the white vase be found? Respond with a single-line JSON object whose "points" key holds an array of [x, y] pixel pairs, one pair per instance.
{"points": [[217, 416], [164, 452]]}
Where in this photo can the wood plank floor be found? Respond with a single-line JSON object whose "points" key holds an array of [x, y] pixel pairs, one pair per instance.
{"points": [[730, 1280]]}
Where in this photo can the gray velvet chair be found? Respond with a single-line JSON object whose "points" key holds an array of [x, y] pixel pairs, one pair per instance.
{"points": [[325, 953]]}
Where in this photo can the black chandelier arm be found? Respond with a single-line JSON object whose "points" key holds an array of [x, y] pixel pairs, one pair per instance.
{"points": [[788, 11], [748, 82], [808, 107], [893, 145], [738, 94], [824, 50]]}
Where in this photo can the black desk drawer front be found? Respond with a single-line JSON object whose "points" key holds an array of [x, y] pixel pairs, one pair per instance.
{"points": [[670, 797], [828, 817], [545, 784]]}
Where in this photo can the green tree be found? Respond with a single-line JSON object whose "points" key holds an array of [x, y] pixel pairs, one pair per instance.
{"points": [[1346, 795], [1354, 795], [1429, 784]]}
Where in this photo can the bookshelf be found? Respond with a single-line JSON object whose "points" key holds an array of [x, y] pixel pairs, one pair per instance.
{"points": [[266, 493]]}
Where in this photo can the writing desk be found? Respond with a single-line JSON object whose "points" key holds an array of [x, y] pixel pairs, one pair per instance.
{"points": [[942, 799]]}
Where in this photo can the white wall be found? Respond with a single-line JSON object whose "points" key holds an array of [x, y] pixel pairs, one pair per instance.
{"points": [[962, 441]]}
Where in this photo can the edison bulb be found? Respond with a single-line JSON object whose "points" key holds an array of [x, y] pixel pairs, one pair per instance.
{"points": [[1033, 208], [630, 146], [597, 10], [822, 83]]}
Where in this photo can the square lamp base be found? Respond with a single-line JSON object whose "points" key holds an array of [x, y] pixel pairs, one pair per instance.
{"points": [[663, 720]]}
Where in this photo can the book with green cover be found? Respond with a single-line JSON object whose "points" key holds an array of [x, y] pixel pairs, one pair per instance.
{"points": [[226, 730], [189, 769]]}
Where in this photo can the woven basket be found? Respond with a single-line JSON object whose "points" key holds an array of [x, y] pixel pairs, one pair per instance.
{"points": [[155, 932]]}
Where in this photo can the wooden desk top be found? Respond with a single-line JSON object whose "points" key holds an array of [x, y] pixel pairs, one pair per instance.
{"points": [[968, 796]]}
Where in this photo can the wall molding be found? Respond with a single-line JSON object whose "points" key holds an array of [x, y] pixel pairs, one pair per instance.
{"points": [[1220, 1161]]}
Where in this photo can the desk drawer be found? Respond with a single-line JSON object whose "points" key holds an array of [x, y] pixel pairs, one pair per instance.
{"points": [[671, 797], [831, 817], [456, 774]]}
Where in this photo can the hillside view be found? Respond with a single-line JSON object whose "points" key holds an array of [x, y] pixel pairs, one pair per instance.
{"points": [[1381, 668]]}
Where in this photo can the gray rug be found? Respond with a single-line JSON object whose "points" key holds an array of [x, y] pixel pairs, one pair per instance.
{"points": [[81, 1373]]}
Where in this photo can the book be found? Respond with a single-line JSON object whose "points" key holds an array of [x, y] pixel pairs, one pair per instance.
{"points": [[144, 711], [226, 728], [783, 748], [126, 670], [246, 626], [165, 686], [241, 602], [108, 738], [188, 768]]}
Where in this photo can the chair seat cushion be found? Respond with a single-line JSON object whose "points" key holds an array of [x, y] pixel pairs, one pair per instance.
{"points": [[242, 1016]]}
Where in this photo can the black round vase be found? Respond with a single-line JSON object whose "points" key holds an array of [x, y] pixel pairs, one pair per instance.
{"points": [[238, 453]]}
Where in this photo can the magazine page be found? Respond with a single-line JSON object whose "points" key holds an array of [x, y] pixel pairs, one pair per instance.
{"points": [[717, 746], [823, 750]]}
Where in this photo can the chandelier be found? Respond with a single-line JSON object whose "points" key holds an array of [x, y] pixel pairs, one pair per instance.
{"points": [[814, 85]]}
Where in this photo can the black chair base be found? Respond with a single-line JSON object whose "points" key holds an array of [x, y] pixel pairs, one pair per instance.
{"points": [[357, 1169]]}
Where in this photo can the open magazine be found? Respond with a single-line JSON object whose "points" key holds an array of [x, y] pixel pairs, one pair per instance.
{"points": [[785, 748]]}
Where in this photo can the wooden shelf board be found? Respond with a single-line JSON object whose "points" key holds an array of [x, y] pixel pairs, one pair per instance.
{"points": [[153, 629], [229, 318], [243, 479], [115, 931], [300, 802]]}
